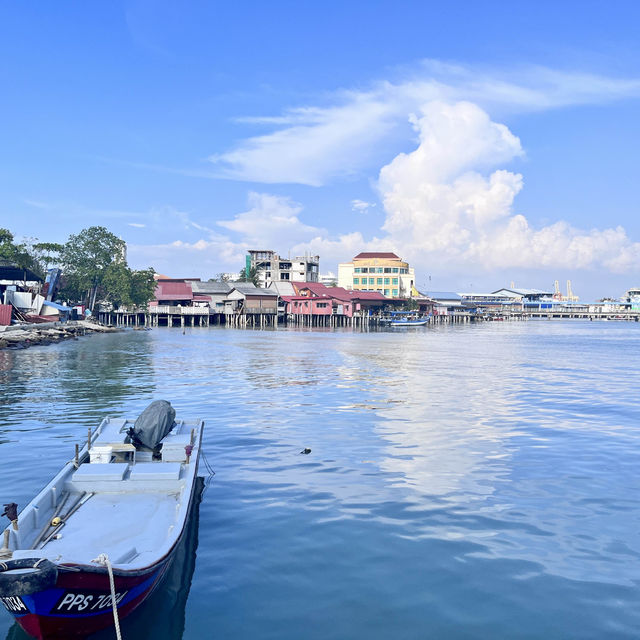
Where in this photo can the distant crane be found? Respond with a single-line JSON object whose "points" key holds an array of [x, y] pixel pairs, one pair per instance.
{"points": [[570, 295], [557, 294]]}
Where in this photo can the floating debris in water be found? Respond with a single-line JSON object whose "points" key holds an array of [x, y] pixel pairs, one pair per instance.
{"points": [[306, 451]]}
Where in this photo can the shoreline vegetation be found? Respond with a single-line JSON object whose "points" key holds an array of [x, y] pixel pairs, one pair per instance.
{"points": [[22, 336]]}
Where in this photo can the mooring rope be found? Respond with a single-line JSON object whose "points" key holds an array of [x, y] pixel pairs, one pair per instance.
{"points": [[103, 559]]}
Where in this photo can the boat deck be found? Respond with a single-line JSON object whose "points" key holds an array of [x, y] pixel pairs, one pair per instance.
{"points": [[124, 526]]}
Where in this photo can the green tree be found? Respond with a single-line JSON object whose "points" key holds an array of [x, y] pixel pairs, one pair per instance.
{"points": [[123, 287], [86, 258], [17, 254], [143, 287], [251, 275], [116, 284], [47, 253]]}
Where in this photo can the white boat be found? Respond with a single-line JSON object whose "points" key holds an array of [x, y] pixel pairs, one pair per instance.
{"points": [[408, 323], [92, 545]]}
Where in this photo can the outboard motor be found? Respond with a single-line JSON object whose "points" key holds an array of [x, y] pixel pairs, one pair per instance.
{"points": [[153, 424]]}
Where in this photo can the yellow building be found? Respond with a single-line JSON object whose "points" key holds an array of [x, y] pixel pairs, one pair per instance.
{"points": [[373, 271]]}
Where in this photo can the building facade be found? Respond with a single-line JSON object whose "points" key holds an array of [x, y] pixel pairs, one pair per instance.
{"points": [[385, 273], [272, 268]]}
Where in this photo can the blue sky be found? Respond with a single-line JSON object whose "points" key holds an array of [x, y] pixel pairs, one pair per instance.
{"points": [[485, 142]]}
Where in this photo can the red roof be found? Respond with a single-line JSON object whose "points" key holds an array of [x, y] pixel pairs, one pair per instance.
{"points": [[373, 254], [367, 295], [319, 290], [173, 290]]}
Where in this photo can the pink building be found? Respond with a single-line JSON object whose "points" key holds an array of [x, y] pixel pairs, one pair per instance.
{"points": [[316, 300]]}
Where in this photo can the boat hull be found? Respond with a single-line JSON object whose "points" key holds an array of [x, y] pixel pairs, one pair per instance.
{"points": [[80, 602], [410, 323]]}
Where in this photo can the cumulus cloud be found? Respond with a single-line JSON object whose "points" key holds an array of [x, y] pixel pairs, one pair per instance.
{"points": [[443, 199], [314, 144], [271, 221], [449, 202]]}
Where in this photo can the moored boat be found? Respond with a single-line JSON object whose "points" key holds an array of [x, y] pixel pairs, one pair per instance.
{"points": [[92, 545], [409, 323]]}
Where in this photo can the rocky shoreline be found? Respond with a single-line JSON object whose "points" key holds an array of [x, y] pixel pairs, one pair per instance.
{"points": [[29, 335]]}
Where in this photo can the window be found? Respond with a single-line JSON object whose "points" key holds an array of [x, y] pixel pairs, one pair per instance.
{"points": [[395, 270], [371, 280], [395, 293], [365, 270], [386, 281], [395, 281], [387, 269], [356, 280], [356, 270], [284, 276], [321, 305], [379, 281], [386, 292], [379, 270]]}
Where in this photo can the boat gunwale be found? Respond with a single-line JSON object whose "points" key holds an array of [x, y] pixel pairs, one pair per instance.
{"points": [[118, 569]]}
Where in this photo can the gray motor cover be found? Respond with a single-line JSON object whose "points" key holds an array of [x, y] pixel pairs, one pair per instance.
{"points": [[153, 424]]}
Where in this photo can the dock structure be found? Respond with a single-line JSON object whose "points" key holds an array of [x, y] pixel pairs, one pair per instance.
{"points": [[193, 303], [176, 316]]}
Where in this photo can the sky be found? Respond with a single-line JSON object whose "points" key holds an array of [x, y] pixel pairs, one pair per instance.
{"points": [[485, 142]]}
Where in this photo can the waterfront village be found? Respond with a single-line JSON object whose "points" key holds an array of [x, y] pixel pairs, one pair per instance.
{"points": [[367, 291]]}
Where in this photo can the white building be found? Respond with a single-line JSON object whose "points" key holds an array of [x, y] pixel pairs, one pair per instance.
{"points": [[272, 268]]}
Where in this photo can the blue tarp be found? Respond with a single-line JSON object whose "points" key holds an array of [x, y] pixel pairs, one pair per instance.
{"points": [[55, 305]]}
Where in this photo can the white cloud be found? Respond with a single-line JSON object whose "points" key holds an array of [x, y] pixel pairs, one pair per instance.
{"points": [[449, 202], [361, 206], [442, 208], [313, 145], [271, 221], [137, 225]]}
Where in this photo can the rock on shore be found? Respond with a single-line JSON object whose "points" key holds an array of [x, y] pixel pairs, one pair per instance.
{"points": [[28, 335]]}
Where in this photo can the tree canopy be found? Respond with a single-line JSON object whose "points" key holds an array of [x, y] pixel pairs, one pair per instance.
{"points": [[95, 268], [18, 253], [250, 275]]}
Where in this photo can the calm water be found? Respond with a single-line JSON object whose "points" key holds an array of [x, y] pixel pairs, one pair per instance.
{"points": [[464, 482]]}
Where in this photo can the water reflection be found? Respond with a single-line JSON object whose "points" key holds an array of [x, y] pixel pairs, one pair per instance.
{"points": [[461, 480]]}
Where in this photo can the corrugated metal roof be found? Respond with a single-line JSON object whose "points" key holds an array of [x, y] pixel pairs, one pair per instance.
{"points": [[526, 292], [368, 295], [283, 288], [254, 291], [210, 287], [10, 271], [171, 290], [5, 315], [443, 295], [320, 290]]}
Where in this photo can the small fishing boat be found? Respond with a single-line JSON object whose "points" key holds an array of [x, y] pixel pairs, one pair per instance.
{"points": [[93, 544], [409, 323], [404, 319]]}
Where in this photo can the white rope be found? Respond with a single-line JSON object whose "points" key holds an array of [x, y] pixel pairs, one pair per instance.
{"points": [[103, 558]]}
